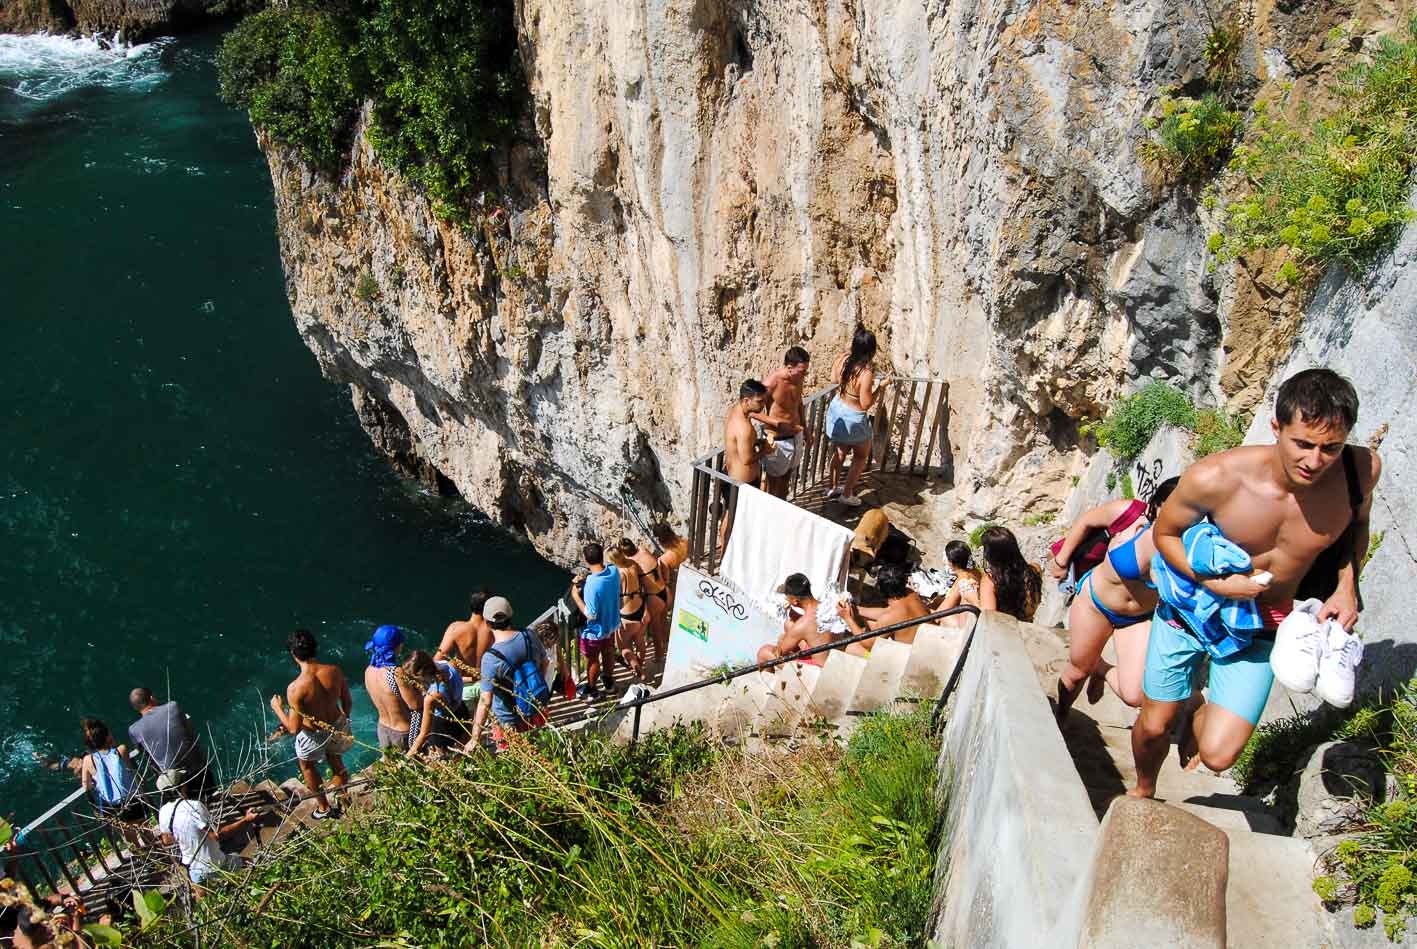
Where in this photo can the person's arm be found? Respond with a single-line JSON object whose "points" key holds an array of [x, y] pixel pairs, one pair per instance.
{"points": [[346, 698], [250, 817], [1201, 489], [866, 387], [86, 775], [479, 719], [447, 645], [292, 720], [1343, 604], [1099, 517], [988, 593], [430, 704], [580, 602], [869, 613], [851, 615]]}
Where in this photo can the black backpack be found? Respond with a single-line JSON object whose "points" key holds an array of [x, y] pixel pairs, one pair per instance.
{"points": [[1322, 579]]}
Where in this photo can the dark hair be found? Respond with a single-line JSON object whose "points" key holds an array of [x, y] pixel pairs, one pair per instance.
{"points": [[1018, 586], [96, 734], [141, 697], [627, 547], [502, 622], [17, 917], [797, 584], [420, 664], [750, 388], [665, 534], [796, 356], [1317, 395], [593, 553], [1159, 496], [547, 633], [302, 644], [863, 350], [478, 600], [891, 582], [957, 552]]}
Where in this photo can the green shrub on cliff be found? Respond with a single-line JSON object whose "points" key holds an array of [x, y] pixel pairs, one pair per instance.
{"points": [[1131, 421], [1192, 135], [296, 71], [443, 79], [1335, 188]]}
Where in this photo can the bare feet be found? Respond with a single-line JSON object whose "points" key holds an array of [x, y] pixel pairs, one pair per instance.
{"points": [[1139, 791], [1066, 698], [1187, 746]]}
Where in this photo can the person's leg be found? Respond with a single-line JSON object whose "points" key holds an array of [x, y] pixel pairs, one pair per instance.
{"points": [[1170, 657], [1151, 738], [310, 774], [860, 454], [1239, 688], [1125, 677], [659, 626], [339, 774], [631, 636], [767, 653], [1088, 631], [839, 453]]}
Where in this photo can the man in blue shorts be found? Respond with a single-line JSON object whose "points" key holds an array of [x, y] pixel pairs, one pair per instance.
{"points": [[599, 599], [1284, 505]]}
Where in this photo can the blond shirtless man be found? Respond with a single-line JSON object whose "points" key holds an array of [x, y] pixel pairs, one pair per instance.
{"points": [[743, 449], [902, 604], [320, 703], [785, 419], [464, 641], [1283, 504]]}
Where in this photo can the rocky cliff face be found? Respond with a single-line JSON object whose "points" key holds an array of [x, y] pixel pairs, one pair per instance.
{"points": [[715, 180], [130, 19]]}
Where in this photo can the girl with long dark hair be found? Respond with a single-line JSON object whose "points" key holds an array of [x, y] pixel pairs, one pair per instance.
{"points": [[1010, 584], [848, 425]]}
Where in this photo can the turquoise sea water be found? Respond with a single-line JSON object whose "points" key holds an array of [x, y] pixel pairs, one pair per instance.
{"points": [[178, 485]]}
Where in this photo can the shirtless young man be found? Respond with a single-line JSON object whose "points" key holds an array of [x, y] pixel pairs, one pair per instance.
{"points": [[801, 631], [902, 603], [464, 641], [785, 419], [381, 682], [743, 449], [1283, 504], [320, 704]]}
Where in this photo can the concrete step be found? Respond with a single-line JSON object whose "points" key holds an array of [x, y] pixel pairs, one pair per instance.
{"points": [[790, 698], [933, 656], [837, 684], [1269, 900], [880, 680], [1233, 813]]}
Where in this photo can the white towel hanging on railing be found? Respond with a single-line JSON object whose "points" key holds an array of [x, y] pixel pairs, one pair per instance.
{"points": [[772, 538]]}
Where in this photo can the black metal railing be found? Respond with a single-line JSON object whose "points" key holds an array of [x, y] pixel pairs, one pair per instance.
{"points": [[730, 675], [909, 423]]}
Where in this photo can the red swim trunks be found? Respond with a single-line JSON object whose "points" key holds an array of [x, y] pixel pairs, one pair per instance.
{"points": [[1273, 613]]}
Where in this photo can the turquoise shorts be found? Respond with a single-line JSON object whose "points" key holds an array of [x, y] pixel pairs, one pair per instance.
{"points": [[1239, 683]]}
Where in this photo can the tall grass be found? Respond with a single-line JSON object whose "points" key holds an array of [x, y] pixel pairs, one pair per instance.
{"points": [[559, 842]]}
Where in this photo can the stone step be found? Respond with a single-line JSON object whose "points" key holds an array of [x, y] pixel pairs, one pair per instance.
{"points": [[1269, 900], [933, 656], [837, 684], [1236, 813], [880, 680], [789, 698]]}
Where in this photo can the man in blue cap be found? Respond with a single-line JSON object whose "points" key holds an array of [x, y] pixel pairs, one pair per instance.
{"points": [[380, 680]]}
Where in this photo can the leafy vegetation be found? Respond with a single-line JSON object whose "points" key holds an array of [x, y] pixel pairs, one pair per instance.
{"points": [[366, 289], [1216, 431], [443, 79], [1334, 188], [1131, 421], [574, 841], [1193, 136], [1036, 520], [1375, 868], [1273, 751], [976, 536]]}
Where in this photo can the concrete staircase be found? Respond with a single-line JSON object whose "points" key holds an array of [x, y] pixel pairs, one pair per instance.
{"points": [[1269, 898], [800, 696]]}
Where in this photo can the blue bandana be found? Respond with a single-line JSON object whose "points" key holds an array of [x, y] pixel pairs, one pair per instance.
{"points": [[381, 649]]}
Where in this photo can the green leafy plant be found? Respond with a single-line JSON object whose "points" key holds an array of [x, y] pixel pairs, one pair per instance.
{"points": [[1334, 188], [1037, 520], [149, 906], [366, 289], [1192, 136], [1375, 540], [1216, 431], [976, 536], [1131, 421]]}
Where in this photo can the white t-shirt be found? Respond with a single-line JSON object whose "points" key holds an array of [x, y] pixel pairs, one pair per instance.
{"points": [[189, 822]]}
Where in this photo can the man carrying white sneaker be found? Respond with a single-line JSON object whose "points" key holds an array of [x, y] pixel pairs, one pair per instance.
{"points": [[1284, 505]]}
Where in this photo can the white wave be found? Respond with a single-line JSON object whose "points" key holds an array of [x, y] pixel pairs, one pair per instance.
{"points": [[42, 66]]}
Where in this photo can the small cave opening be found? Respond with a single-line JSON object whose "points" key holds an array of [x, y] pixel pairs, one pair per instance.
{"points": [[742, 52]]}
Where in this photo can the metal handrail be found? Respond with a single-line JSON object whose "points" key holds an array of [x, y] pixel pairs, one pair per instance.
{"points": [[729, 676]]}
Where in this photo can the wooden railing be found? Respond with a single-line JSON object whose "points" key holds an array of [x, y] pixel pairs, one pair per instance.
{"points": [[910, 436]]}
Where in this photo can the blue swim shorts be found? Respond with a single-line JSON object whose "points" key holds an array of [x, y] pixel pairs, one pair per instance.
{"points": [[1239, 683]]}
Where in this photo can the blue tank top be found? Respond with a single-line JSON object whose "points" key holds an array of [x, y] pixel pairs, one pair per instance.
{"points": [[112, 779], [451, 691]]}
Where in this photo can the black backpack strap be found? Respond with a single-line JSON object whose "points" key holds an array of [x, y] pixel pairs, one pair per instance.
{"points": [[1355, 486]]}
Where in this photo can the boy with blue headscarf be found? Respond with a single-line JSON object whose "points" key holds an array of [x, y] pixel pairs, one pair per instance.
{"points": [[381, 681]]}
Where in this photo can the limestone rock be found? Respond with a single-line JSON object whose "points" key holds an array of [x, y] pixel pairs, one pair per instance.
{"points": [[132, 19], [1337, 779]]}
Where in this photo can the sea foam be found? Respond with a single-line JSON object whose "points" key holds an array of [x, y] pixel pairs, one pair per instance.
{"points": [[42, 67]]}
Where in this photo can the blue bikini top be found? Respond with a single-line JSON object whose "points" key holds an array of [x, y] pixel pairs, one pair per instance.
{"points": [[1123, 557]]}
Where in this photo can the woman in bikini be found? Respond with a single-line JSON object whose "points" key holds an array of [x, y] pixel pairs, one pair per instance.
{"points": [[675, 552], [848, 424], [1008, 583], [631, 634], [656, 590], [1115, 600], [965, 590]]}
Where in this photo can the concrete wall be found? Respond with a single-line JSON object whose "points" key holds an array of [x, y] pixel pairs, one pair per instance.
{"points": [[1019, 829]]}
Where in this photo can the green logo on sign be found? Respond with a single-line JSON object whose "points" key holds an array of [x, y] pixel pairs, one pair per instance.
{"points": [[692, 625]]}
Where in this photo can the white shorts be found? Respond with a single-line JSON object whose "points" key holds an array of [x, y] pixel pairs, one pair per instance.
{"points": [[785, 456]]}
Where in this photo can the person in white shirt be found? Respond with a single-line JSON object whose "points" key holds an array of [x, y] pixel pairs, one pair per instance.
{"points": [[186, 821]]}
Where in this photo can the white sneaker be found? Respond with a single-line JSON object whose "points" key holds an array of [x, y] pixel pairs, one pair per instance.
{"points": [[834, 493], [850, 500], [1338, 669], [1298, 646]]}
